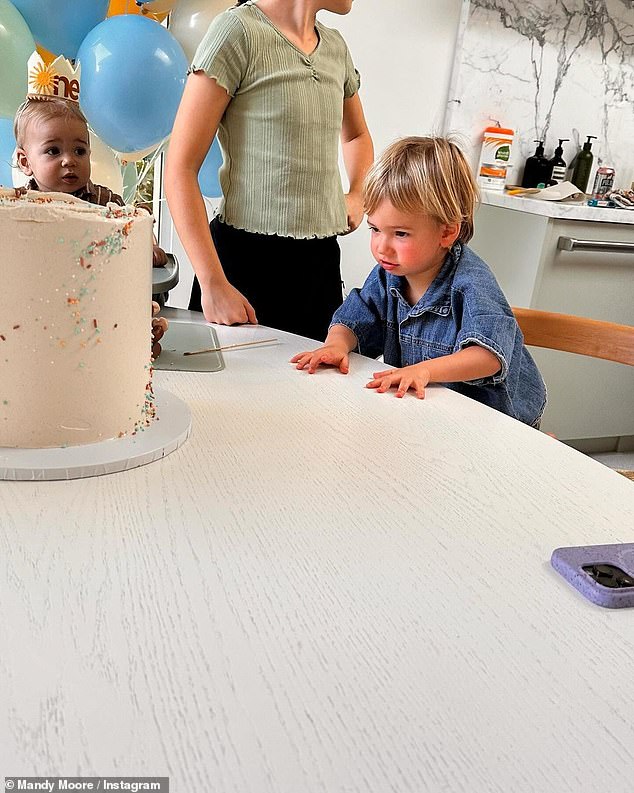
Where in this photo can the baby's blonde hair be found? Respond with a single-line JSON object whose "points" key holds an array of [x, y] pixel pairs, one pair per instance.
{"points": [[428, 176], [36, 109]]}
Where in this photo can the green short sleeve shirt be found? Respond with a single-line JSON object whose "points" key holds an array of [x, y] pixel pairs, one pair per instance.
{"points": [[280, 133]]}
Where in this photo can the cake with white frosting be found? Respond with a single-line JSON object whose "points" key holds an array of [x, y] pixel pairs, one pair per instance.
{"points": [[75, 325]]}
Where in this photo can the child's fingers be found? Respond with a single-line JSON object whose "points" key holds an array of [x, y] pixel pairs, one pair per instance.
{"points": [[386, 383], [313, 360], [159, 326], [419, 388], [382, 384], [321, 358], [413, 383], [384, 373], [302, 359], [159, 257], [404, 385]]}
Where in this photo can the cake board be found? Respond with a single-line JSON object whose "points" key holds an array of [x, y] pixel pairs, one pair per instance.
{"points": [[165, 434]]}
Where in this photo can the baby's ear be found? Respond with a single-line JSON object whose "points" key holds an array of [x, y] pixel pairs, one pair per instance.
{"points": [[449, 234], [23, 162]]}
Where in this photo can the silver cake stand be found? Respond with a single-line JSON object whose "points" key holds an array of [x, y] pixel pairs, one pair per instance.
{"points": [[165, 434]]}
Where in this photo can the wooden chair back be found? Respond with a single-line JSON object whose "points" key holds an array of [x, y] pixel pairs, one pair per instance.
{"points": [[580, 335]]}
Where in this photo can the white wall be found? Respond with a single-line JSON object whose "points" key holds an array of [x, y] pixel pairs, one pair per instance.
{"points": [[404, 50]]}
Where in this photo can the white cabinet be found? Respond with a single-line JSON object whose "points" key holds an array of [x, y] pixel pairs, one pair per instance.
{"points": [[588, 398]]}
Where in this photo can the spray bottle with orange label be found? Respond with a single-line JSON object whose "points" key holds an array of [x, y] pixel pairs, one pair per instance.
{"points": [[495, 157]]}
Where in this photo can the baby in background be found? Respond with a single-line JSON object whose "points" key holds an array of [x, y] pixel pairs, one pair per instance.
{"points": [[431, 306], [53, 148]]}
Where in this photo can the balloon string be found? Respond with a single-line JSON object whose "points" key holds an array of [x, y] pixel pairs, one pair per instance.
{"points": [[148, 164]]}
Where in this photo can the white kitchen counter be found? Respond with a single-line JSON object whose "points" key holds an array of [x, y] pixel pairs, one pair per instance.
{"points": [[526, 242], [568, 210]]}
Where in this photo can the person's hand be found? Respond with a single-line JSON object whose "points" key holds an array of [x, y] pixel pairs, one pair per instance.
{"points": [[159, 257], [225, 305], [159, 326], [328, 355], [354, 209], [415, 377]]}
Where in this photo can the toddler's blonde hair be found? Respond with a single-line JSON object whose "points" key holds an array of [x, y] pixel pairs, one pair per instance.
{"points": [[428, 176], [35, 109]]}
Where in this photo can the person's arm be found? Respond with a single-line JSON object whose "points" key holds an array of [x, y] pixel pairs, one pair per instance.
{"points": [[358, 324], [358, 153], [471, 363], [201, 109], [334, 351]]}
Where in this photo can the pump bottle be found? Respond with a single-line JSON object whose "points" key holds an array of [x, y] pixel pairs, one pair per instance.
{"points": [[558, 164], [583, 165], [537, 170]]}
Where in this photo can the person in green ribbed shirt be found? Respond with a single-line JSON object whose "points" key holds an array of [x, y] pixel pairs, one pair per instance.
{"points": [[281, 91]]}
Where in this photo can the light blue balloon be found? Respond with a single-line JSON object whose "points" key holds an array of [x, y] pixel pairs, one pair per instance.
{"points": [[208, 174], [132, 78], [60, 26], [7, 145]]}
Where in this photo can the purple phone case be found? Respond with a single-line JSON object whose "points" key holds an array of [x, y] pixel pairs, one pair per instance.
{"points": [[570, 561]]}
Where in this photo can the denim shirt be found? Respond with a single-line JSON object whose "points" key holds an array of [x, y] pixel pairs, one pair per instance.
{"points": [[464, 305]]}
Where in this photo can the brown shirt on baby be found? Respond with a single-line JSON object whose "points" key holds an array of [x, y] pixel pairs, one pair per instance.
{"points": [[93, 193]]}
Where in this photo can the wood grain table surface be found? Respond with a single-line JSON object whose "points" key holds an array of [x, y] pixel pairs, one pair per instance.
{"points": [[323, 589]]}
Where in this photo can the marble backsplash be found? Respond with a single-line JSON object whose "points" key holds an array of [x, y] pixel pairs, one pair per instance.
{"points": [[548, 69]]}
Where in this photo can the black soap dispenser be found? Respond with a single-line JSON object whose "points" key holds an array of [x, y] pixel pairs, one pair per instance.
{"points": [[537, 170], [583, 165], [558, 164]]}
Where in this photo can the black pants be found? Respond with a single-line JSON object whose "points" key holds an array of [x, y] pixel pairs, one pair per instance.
{"points": [[293, 284]]}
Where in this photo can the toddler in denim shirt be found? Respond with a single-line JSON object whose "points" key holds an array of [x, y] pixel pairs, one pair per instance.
{"points": [[431, 306]]}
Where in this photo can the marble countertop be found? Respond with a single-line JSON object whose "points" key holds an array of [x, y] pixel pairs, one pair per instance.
{"points": [[556, 209]]}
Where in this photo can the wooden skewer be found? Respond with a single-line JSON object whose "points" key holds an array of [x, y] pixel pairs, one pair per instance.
{"points": [[230, 346]]}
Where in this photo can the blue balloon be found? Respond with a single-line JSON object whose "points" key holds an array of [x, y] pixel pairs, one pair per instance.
{"points": [[133, 74], [61, 25], [208, 174], [7, 145]]}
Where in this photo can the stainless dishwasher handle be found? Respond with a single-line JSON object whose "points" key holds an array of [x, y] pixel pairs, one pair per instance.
{"points": [[572, 244]]}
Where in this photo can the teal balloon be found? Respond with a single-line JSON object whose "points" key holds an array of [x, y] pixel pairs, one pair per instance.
{"points": [[16, 47], [133, 74], [7, 146], [208, 174], [60, 26]]}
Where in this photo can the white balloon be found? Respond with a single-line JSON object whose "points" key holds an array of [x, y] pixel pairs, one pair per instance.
{"points": [[105, 168], [190, 19], [135, 156]]}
